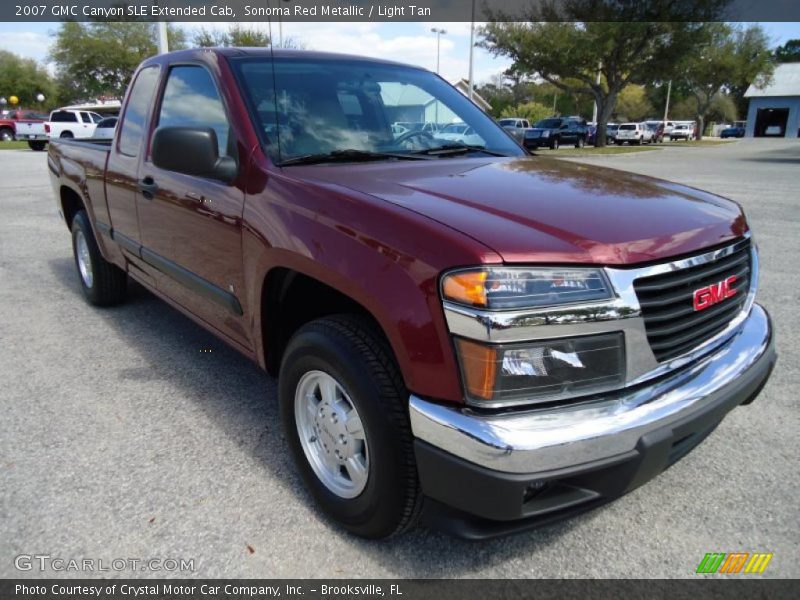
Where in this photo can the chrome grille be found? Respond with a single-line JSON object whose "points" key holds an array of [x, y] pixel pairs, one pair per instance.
{"points": [[672, 324]]}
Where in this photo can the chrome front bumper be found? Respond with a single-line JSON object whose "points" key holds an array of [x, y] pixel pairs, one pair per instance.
{"points": [[555, 438]]}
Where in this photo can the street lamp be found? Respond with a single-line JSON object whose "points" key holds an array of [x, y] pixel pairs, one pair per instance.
{"points": [[439, 33]]}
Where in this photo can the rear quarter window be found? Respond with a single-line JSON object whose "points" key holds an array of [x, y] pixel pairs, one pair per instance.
{"points": [[135, 119], [63, 116]]}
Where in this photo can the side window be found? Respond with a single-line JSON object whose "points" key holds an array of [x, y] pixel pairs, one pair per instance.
{"points": [[85, 117], [63, 116], [133, 122], [191, 100]]}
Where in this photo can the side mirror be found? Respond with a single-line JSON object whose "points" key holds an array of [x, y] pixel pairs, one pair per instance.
{"points": [[193, 151]]}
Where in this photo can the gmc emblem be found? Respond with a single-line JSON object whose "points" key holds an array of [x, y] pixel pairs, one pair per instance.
{"points": [[714, 293]]}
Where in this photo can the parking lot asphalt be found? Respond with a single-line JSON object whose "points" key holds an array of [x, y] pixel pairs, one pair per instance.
{"points": [[132, 433]]}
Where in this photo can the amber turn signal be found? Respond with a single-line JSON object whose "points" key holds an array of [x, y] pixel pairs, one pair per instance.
{"points": [[478, 367], [466, 287]]}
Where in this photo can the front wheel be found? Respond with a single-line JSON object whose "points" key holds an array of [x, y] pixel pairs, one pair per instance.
{"points": [[554, 144], [344, 409], [102, 282]]}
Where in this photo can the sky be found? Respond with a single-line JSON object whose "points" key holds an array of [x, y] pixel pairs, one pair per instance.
{"points": [[407, 42]]}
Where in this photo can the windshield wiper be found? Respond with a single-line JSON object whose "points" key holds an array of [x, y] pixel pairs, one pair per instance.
{"points": [[349, 155], [457, 148]]}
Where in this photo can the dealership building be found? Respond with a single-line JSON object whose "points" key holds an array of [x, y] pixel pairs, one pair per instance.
{"points": [[775, 109]]}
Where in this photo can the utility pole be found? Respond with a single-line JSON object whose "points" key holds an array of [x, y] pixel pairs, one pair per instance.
{"points": [[161, 35], [163, 39], [597, 81], [471, 50], [439, 33], [555, 95], [666, 105]]}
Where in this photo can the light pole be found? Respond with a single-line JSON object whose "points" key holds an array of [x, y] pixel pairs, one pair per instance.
{"points": [[439, 33]]}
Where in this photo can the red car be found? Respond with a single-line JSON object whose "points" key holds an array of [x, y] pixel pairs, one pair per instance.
{"points": [[462, 333]]}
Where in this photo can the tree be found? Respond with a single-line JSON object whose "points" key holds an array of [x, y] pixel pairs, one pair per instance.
{"points": [[25, 79], [633, 104], [237, 35], [609, 36], [98, 58], [731, 59], [533, 111], [789, 52]]}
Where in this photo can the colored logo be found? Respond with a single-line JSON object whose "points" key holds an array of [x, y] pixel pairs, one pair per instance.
{"points": [[734, 562], [715, 293]]}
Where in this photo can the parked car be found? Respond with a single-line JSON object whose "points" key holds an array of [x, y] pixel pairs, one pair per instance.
{"points": [[459, 132], [472, 335], [591, 134], [611, 132], [24, 125], [634, 133], [72, 123], [555, 131], [683, 131], [516, 127], [732, 132], [657, 130], [105, 129]]}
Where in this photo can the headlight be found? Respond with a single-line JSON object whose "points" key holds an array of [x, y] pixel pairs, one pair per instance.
{"points": [[498, 288], [541, 371], [545, 134]]}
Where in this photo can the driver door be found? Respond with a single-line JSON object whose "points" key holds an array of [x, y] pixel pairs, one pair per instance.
{"points": [[191, 226]]}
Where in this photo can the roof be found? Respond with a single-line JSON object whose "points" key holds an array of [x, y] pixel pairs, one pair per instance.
{"points": [[462, 86], [785, 82]]}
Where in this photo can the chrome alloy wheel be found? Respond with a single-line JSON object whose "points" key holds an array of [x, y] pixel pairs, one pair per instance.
{"points": [[331, 434], [84, 259]]}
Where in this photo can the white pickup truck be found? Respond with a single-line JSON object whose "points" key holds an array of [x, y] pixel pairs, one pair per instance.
{"points": [[72, 123], [32, 132]]}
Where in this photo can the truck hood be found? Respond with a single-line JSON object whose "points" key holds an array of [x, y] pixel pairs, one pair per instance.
{"points": [[533, 209]]}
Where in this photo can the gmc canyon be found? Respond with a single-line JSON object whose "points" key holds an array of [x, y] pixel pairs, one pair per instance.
{"points": [[462, 333]]}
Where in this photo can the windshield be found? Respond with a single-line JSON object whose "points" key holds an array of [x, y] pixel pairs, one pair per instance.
{"points": [[627, 127], [549, 123], [318, 106]]}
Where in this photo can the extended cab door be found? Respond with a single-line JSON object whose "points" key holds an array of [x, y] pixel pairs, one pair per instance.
{"points": [[122, 168], [192, 226]]}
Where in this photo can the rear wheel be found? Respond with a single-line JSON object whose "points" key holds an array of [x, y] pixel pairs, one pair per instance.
{"points": [[103, 283], [580, 142], [66, 135], [37, 146], [6, 135], [344, 409]]}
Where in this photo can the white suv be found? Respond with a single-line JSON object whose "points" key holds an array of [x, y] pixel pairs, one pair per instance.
{"points": [[72, 123], [634, 133]]}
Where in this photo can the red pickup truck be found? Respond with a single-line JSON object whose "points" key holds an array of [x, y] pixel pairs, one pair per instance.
{"points": [[463, 332], [24, 125]]}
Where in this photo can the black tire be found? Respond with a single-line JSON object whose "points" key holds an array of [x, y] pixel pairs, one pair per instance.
{"points": [[554, 144], [109, 282], [349, 349], [65, 135], [37, 146], [6, 135], [580, 142]]}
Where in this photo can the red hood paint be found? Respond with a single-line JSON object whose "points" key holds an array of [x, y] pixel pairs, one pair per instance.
{"points": [[535, 209]]}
